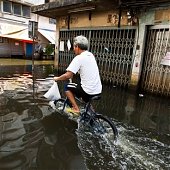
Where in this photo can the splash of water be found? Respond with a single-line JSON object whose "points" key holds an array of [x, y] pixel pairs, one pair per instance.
{"points": [[134, 149]]}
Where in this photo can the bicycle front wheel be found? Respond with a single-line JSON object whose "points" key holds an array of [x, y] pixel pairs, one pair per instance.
{"points": [[105, 126]]}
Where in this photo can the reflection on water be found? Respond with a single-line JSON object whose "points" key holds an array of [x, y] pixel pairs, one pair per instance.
{"points": [[20, 129], [59, 148], [148, 112], [33, 136]]}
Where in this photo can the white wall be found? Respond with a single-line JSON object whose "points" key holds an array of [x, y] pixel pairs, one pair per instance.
{"points": [[42, 20], [35, 2], [145, 19]]}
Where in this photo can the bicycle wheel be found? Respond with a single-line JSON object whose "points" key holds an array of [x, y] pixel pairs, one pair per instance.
{"points": [[105, 126]]}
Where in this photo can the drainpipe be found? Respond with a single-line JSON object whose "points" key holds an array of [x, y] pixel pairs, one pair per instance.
{"points": [[120, 13], [68, 22]]}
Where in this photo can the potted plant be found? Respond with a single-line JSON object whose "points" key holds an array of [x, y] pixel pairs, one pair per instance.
{"points": [[49, 50]]}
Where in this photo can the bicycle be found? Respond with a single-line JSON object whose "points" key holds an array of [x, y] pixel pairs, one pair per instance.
{"points": [[99, 123]]}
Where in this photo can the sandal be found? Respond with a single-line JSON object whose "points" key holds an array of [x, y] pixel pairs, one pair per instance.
{"points": [[70, 110]]}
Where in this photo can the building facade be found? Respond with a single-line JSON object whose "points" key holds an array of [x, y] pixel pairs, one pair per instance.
{"points": [[14, 18], [130, 39]]}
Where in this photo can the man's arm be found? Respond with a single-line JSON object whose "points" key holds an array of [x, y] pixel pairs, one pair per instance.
{"points": [[64, 76]]}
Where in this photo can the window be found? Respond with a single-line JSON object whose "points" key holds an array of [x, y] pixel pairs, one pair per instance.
{"points": [[26, 11], [17, 9], [52, 21], [7, 6], [4, 40], [46, 1]]}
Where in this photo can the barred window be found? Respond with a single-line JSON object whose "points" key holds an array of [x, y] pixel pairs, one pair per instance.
{"points": [[4, 40]]}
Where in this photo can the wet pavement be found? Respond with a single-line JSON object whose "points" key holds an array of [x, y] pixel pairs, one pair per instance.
{"points": [[35, 137]]}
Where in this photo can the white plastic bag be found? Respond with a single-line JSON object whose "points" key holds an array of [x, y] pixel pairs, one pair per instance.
{"points": [[53, 93]]}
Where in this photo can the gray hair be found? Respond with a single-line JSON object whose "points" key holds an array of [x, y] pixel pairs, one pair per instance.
{"points": [[81, 42]]}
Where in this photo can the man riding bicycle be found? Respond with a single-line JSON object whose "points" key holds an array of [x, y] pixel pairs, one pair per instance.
{"points": [[84, 62]]}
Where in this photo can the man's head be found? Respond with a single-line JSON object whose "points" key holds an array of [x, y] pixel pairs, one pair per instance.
{"points": [[80, 44]]}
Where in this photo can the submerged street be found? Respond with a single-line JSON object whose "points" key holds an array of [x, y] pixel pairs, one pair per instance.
{"points": [[35, 137]]}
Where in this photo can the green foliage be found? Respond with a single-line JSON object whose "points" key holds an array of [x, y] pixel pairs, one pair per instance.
{"points": [[49, 49]]}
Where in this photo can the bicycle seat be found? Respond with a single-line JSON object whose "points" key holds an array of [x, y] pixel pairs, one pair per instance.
{"points": [[97, 97]]}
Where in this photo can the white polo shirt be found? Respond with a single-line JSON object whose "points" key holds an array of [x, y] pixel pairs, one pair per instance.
{"points": [[86, 64]]}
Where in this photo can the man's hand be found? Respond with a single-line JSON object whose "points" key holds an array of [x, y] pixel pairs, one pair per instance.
{"points": [[56, 78], [64, 76]]}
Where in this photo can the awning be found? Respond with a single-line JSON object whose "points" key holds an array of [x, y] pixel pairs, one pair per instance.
{"points": [[14, 32], [20, 35], [49, 35]]}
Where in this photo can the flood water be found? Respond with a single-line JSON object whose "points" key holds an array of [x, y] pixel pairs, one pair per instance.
{"points": [[35, 137]]}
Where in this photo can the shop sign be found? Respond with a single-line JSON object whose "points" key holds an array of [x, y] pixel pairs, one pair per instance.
{"points": [[166, 60]]}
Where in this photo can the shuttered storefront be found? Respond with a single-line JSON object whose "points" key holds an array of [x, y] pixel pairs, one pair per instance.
{"points": [[5, 50], [155, 74], [11, 47], [113, 49]]}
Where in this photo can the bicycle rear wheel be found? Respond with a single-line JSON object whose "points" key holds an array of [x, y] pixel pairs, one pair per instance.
{"points": [[105, 126]]}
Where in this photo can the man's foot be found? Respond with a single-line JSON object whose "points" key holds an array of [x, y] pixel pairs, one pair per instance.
{"points": [[74, 112]]}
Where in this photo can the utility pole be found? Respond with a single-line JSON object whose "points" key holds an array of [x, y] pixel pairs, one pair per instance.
{"points": [[33, 34]]}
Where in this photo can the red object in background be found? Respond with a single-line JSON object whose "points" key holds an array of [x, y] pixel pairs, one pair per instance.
{"points": [[27, 41]]}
